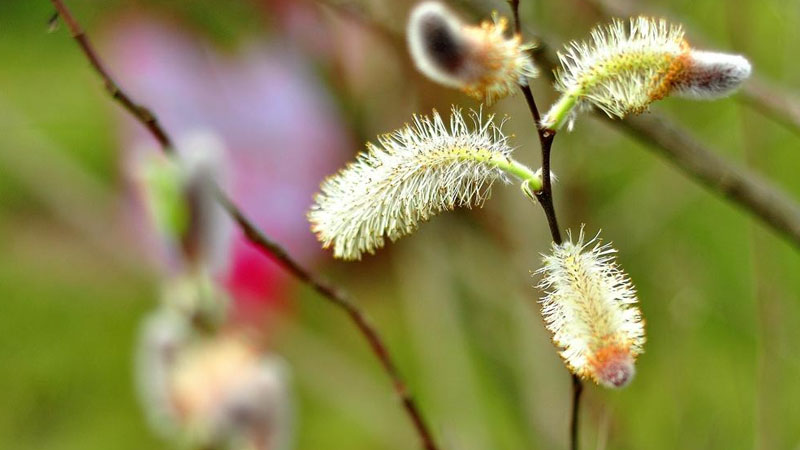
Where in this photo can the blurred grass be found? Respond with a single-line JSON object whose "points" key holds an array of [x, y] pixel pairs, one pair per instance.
{"points": [[721, 293]]}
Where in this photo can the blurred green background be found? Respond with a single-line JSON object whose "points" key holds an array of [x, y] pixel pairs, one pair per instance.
{"points": [[720, 292]]}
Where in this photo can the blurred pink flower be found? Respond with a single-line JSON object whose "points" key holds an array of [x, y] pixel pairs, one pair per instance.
{"points": [[278, 124]]}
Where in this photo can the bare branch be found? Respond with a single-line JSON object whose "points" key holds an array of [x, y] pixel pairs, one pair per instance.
{"points": [[737, 184], [141, 113], [336, 296], [780, 106], [577, 390]]}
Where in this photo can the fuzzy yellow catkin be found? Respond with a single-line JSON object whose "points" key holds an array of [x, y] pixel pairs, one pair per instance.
{"points": [[212, 391], [590, 308], [411, 175], [623, 68], [478, 59]]}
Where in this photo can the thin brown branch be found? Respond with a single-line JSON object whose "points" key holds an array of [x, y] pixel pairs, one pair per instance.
{"points": [[545, 198], [514, 5], [577, 390], [525, 88], [142, 114], [336, 296], [780, 106]]}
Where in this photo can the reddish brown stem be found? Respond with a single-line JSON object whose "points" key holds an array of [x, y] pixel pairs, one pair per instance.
{"points": [[141, 113]]}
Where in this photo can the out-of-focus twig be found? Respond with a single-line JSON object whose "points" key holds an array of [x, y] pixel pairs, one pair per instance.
{"points": [[141, 113], [735, 183], [256, 236], [781, 106]]}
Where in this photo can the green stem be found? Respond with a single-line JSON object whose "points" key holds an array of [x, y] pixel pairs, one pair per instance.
{"points": [[519, 170], [560, 111], [530, 180]]}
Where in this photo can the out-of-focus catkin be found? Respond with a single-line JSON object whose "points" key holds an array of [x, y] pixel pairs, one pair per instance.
{"points": [[180, 195], [480, 60], [590, 308], [212, 391]]}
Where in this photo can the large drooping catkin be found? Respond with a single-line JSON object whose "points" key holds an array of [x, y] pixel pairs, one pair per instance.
{"points": [[409, 177], [590, 307]]}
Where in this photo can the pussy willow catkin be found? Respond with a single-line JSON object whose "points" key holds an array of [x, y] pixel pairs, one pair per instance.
{"points": [[480, 60], [625, 67], [590, 308], [410, 176]]}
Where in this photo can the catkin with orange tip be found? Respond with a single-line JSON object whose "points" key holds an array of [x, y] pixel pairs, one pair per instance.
{"points": [[590, 308], [626, 66]]}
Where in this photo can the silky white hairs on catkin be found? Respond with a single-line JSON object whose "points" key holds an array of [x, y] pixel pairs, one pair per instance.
{"points": [[626, 66], [410, 176], [712, 75], [590, 308], [620, 70], [478, 59]]}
